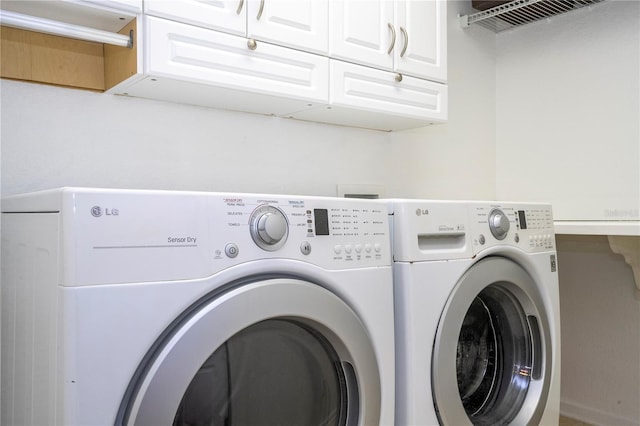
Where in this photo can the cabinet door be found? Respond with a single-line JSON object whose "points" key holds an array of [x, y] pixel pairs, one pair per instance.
{"points": [[371, 98], [223, 15], [362, 31], [422, 40], [215, 59], [301, 24]]}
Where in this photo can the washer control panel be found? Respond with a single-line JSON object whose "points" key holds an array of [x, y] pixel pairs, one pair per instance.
{"points": [[528, 226]]}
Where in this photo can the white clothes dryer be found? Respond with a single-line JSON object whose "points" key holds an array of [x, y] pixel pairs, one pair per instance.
{"points": [[160, 308], [477, 313]]}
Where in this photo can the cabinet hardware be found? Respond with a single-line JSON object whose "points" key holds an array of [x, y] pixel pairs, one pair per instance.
{"points": [[398, 77], [406, 41], [240, 5], [252, 44], [260, 10], [393, 38]]}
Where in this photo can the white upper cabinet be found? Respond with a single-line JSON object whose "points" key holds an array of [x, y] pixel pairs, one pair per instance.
{"points": [[301, 24], [362, 31], [222, 15], [406, 36], [421, 49], [378, 64], [198, 66]]}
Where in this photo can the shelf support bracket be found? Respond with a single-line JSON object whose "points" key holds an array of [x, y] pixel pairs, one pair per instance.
{"points": [[629, 248]]}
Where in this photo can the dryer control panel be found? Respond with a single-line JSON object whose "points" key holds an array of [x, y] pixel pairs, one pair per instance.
{"points": [[118, 236], [525, 225]]}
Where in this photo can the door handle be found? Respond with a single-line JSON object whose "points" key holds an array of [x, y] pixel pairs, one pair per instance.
{"points": [[406, 41], [260, 10], [393, 38]]}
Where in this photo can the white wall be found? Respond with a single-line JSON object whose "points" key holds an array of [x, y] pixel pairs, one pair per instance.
{"points": [[58, 137], [600, 333], [568, 102]]}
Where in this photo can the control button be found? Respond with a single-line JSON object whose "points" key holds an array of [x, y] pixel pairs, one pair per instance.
{"points": [[348, 248], [517, 238], [482, 240], [367, 248], [358, 248], [231, 250], [305, 247], [377, 247], [337, 249]]}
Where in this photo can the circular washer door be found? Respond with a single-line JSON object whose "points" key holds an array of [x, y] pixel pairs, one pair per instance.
{"points": [[492, 352], [278, 351]]}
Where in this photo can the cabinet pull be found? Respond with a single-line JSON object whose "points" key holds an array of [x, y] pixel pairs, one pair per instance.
{"points": [[398, 77], [252, 44], [393, 38], [260, 10], [240, 5], [406, 41]]}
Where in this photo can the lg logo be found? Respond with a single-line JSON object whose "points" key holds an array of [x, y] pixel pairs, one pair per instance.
{"points": [[420, 212], [96, 211]]}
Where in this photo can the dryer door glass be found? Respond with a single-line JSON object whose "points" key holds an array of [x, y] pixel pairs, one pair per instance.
{"points": [[276, 372]]}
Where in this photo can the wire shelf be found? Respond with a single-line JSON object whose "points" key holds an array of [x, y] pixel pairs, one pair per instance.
{"points": [[521, 12]]}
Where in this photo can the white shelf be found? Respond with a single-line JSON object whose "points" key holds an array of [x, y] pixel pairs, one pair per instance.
{"points": [[571, 227], [520, 12]]}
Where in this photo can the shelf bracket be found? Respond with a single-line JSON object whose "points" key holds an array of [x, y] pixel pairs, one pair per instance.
{"points": [[629, 248]]}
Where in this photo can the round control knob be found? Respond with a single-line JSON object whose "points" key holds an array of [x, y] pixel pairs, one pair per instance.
{"points": [[269, 227], [498, 224]]}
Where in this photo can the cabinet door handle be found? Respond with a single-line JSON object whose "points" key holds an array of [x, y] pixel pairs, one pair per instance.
{"points": [[393, 38], [406, 41], [260, 10], [240, 5], [252, 44]]}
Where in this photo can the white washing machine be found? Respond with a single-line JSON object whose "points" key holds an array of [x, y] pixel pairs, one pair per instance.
{"points": [[477, 313], [160, 308]]}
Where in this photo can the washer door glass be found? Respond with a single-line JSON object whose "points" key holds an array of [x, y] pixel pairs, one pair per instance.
{"points": [[491, 362], [276, 372]]}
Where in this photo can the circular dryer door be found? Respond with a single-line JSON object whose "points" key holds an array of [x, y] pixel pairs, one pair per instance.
{"points": [[492, 354], [272, 352]]}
